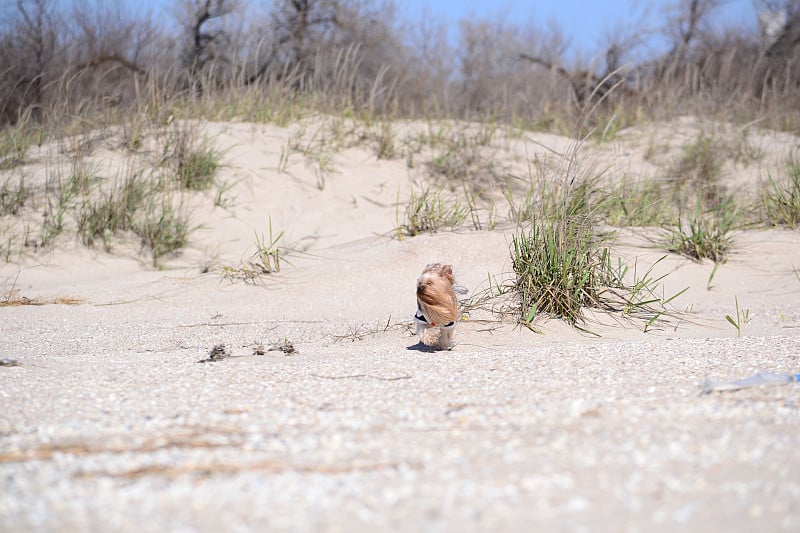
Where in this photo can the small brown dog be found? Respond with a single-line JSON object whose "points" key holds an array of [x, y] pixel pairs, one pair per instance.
{"points": [[437, 306]]}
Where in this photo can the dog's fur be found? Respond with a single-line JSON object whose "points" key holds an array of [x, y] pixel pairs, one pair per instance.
{"points": [[437, 305]]}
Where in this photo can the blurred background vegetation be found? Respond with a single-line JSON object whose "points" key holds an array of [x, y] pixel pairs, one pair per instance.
{"points": [[93, 62]]}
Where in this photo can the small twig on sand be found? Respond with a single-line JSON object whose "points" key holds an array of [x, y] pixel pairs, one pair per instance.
{"points": [[356, 376]]}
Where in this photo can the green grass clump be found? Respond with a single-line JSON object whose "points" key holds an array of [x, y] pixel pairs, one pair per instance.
{"points": [[558, 256], [431, 211], [268, 253], [197, 168], [454, 162], [638, 204], [560, 269], [706, 236], [114, 211], [319, 148], [139, 205], [81, 177], [781, 201], [162, 230], [264, 261], [58, 204], [386, 146], [561, 258], [13, 196], [194, 162], [14, 144], [465, 157], [464, 163]]}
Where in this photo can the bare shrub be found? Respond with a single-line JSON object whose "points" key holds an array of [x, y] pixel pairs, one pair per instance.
{"points": [[99, 63]]}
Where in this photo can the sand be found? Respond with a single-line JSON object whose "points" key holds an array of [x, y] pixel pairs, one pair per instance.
{"points": [[109, 422]]}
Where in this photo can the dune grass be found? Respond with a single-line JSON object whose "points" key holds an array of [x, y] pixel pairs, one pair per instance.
{"points": [[14, 194], [197, 169], [561, 253], [266, 259], [780, 200], [113, 211], [740, 318], [562, 267], [163, 229], [704, 234], [559, 269], [558, 256], [15, 143], [430, 210], [638, 204], [143, 203]]}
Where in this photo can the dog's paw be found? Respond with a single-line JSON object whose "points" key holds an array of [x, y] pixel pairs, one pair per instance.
{"points": [[430, 336]]}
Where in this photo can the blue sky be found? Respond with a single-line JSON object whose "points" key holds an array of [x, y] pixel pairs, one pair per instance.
{"points": [[586, 23]]}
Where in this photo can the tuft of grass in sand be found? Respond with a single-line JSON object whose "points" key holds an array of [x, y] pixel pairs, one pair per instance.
{"points": [[559, 268], [431, 210], [198, 168], [14, 194], [319, 149], [61, 195], [705, 235], [264, 261], [223, 197], [15, 141], [561, 257], [385, 141], [780, 201], [82, 177], [140, 204], [637, 203], [162, 230], [558, 257], [114, 210], [465, 155], [742, 317], [194, 162], [57, 206]]}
